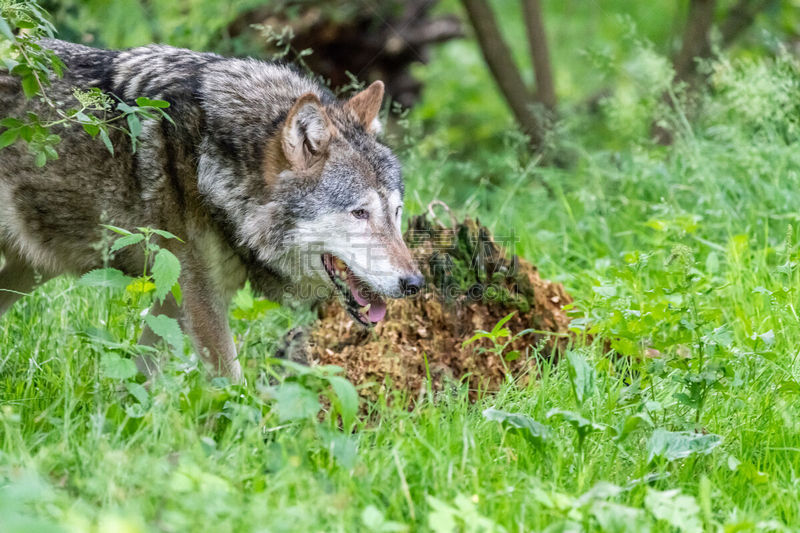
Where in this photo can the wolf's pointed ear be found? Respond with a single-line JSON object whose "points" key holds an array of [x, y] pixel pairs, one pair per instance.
{"points": [[306, 132], [366, 105]]}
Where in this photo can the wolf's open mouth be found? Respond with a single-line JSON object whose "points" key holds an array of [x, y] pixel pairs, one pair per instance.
{"points": [[364, 306]]}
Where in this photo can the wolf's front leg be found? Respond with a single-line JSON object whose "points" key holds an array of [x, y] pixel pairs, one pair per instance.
{"points": [[205, 314], [16, 279]]}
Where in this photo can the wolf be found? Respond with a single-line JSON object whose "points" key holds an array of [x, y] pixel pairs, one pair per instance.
{"points": [[264, 174]]}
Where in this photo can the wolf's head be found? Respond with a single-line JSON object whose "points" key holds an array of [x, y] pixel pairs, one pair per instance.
{"points": [[339, 193]]}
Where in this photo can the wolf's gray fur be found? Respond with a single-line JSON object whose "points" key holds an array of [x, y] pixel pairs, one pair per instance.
{"points": [[261, 165]]}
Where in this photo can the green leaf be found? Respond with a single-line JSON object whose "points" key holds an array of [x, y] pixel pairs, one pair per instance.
{"points": [[373, 520], [582, 425], [177, 293], [166, 271], [496, 331], [134, 125], [138, 392], [346, 399], [50, 152], [294, 402], [105, 277], [8, 137], [534, 432], [11, 122], [166, 234], [631, 424], [106, 140], [125, 108], [672, 445], [91, 129], [143, 101], [127, 240], [581, 375], [342, 446], [113, 366], [41, 159], [115, 229], [678, 510], [168, 329], [479, 335], [616, 518], [5, 30], [9, 63], [30, 86]]}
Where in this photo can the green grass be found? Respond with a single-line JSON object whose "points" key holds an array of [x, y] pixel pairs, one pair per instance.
{"points": [[691, 251]]}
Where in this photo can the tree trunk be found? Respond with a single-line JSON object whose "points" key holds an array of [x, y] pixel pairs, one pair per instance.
{"points": [[540, 55], [501, 64], [696, 40]]}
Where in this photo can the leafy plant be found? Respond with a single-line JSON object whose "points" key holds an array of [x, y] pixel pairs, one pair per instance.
{"points": [[23, 55], [534, 432], [159, 277], [499, 346]]}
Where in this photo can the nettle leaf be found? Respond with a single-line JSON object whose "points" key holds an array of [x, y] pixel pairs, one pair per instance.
{"points": [[128, 240], [346, 399], [247, 307], [166, 271], [168, 329], [534, 432], [113, 366], [166, 234], [115, 229], [581, 375], [5, 30], [614, 517], [601, 491], [294, 402], [138, 392], [343, 447], [678, 510], [673, 445], [30, 87], [105, 277], [582, 425], [8, 137], [631, 424]]}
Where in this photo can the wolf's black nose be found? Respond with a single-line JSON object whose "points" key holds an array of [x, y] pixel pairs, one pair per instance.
{"points": [[411, 285]]}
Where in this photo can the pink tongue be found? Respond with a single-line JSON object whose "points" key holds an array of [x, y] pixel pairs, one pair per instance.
{"points": [[354, 289], [377, 309]]}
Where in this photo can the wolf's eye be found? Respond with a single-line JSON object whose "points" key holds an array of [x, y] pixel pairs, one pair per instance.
{"points": [[397, 211], [361, 214]]}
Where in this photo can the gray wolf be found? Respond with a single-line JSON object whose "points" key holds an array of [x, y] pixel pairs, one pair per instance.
{"points": [[265, 175]]}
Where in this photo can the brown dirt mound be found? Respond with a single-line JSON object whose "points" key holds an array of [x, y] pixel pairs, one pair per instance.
{"points": [[472, 284]]}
